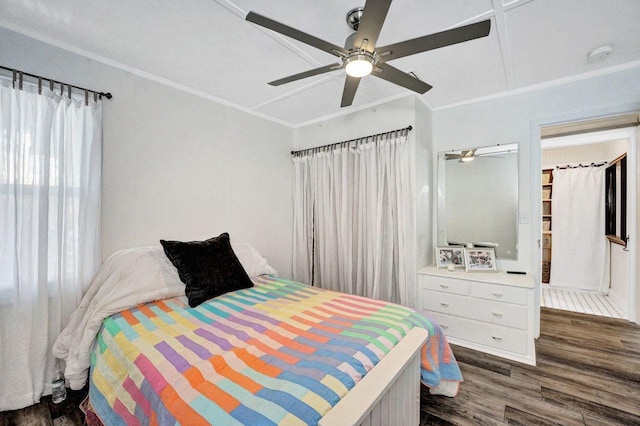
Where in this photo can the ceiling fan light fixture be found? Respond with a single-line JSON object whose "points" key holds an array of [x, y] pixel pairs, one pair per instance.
{"points": [[359, 64], [467, 155]]}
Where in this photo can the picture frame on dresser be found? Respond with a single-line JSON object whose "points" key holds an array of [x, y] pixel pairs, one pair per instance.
{"points": [[448, 256], [480, 259]]}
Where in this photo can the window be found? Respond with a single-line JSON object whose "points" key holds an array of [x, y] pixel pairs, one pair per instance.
{"points": [[616, 201]]}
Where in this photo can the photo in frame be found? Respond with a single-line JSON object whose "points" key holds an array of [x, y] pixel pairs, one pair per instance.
{"points": [[450, 256], [480, 259]]}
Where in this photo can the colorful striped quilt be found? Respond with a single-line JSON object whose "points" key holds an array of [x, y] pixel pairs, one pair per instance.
{"points": [[278, 353]]}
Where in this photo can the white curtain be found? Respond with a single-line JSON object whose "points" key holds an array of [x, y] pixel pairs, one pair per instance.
{"points": [[50, 161], [580, 257], [354, 219]]}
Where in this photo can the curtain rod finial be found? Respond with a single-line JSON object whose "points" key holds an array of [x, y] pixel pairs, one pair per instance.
{"points": [[107, 95]]}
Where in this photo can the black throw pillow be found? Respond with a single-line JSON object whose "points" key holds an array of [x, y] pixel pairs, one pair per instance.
{"points": [[208, 268]]}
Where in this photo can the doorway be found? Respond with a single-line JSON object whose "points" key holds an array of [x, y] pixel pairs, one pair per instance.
{"points": [[613, 266]]}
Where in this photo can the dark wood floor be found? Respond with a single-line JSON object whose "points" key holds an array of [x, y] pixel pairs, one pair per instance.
{"points": [[588, 373], [46, 413]]}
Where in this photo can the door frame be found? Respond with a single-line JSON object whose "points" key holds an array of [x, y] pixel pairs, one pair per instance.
{"points": [[633, 182]]}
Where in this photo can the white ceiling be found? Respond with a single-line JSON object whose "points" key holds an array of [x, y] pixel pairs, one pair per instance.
{"points": [[206, 46]]}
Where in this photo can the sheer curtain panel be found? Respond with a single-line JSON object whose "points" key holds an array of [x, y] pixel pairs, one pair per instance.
{"points": [[50, 161], [354, 218]]}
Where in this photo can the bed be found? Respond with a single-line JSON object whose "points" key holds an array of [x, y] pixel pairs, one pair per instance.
{"points": [[277, 352]]}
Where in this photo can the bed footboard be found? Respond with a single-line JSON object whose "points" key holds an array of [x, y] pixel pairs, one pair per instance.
{"points": [[389, 394]]}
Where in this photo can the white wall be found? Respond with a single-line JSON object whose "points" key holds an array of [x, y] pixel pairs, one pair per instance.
{"points": [[619, 291], [378, 119], [176, 166], [588, 153], [424, 185], [517, 118]]}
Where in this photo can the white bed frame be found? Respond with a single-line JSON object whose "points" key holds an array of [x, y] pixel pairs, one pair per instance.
{"points": [[389, 394]]}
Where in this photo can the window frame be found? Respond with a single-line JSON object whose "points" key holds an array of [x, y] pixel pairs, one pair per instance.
{"points": [[616, 205]]}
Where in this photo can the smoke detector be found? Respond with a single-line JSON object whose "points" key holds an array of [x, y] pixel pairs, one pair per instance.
{"points": [[600, 53]]}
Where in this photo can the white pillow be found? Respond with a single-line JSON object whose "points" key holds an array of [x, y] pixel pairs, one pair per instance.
{"points": [[252, 262]]}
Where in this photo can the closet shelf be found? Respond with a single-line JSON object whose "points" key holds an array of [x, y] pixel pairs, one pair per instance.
{"points": [[547, 195]]}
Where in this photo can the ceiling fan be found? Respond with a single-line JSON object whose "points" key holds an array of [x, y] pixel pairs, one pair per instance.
{"points": [[361, 57]]}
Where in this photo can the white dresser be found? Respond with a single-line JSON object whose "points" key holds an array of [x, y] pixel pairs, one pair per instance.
{"points": [[487, 311]]}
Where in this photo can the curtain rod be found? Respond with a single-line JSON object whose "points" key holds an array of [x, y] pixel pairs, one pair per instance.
{"points": [[18, 77], [569, 166], [317, 148]]}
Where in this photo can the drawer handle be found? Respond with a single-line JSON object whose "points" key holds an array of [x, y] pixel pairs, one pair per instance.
{"points": [[497, 338], [497, 294], [444, 326], [444, 304], [444, 285], [497, 314]]}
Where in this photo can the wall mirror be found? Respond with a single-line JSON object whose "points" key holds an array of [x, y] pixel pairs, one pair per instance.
{"points": [[478, 198]]}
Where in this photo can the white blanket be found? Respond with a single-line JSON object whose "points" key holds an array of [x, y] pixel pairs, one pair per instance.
{"points": [[126, 279]]}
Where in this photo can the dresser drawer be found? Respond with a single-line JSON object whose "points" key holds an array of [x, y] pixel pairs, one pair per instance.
{"points": [[499, 293], [443, 284], [494, 336], [505, 314]]}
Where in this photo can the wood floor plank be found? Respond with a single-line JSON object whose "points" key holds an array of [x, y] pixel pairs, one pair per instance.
{"points": [[592, 421], [602, 411], [587, 374], [500, 391], [35, 415], [618, 365], [482, 360], [456, 412], [428, 419], [474, 399], [575, 374], [583, 384], [549, 412], [514, 416], [582, 323], [631, 347]]}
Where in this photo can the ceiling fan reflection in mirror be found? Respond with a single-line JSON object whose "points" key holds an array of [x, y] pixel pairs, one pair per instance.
{"points": [[493, 151], [360, 56], [463, 156]]}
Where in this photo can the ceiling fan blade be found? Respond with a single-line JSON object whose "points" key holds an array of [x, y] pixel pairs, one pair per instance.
{"points": [[401, 78], [283, 29], [350, 87], [375, 12], [306, 74], [435, 41]]}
